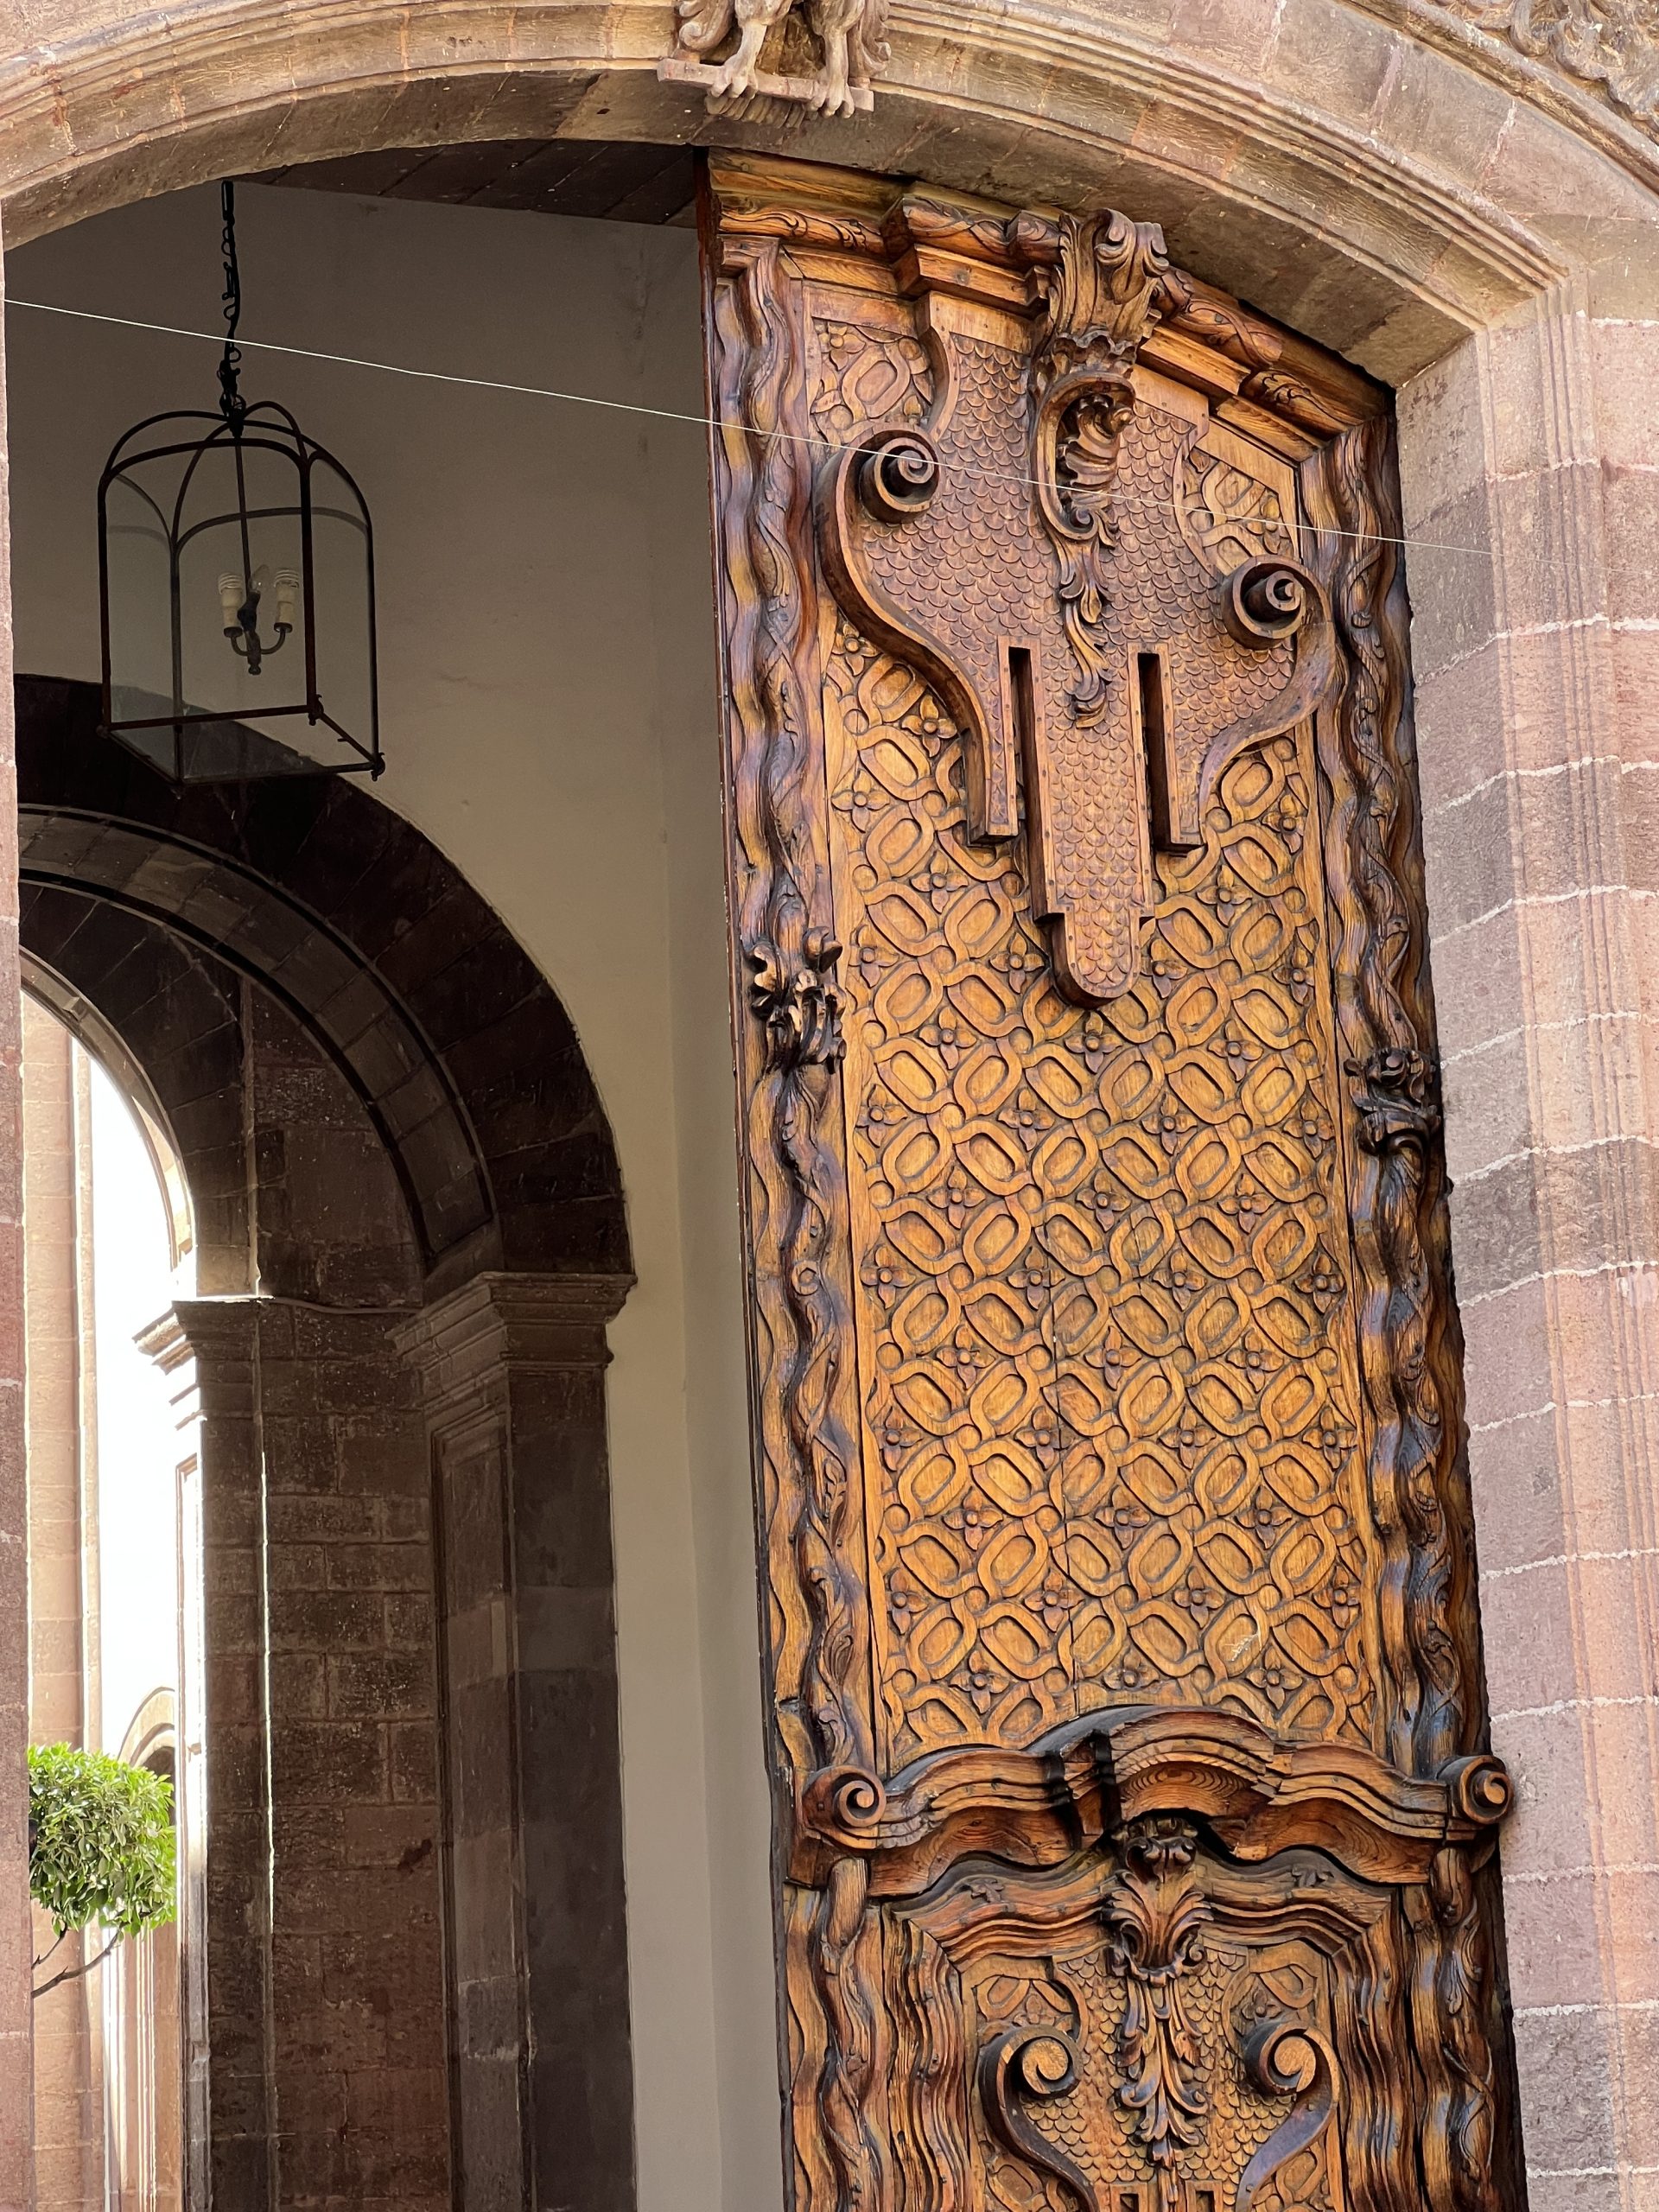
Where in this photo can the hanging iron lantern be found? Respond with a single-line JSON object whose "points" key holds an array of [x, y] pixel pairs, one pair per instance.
{"points": [[236, 580]]}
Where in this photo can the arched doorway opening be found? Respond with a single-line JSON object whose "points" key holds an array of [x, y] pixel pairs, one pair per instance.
{"points": [[109, 1238]]}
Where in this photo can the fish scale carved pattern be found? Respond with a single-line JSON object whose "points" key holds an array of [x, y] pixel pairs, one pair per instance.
{"points": [[1106, 1340], [1031, 1965]]}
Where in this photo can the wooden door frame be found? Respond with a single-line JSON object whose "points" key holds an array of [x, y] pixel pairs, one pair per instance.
{"points": [[874, 2065]]}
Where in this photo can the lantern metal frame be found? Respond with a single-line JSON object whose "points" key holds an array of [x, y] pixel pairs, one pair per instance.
{"points": [[263, 425], [239, 426]]}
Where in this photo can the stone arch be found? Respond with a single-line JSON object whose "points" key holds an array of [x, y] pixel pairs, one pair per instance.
{"points": [[1385, 205], [459, 1053], [105, 1042]]}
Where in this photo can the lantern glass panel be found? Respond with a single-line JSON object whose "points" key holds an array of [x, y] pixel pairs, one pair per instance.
{"points": [[343, 581], [137, 602]]}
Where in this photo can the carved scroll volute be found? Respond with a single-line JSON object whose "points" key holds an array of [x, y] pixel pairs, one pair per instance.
{"points": [[1285, 2057], [1016, 2069]]}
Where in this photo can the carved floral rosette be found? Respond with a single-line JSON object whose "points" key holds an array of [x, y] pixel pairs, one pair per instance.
{"points": [[1116, 1571]]}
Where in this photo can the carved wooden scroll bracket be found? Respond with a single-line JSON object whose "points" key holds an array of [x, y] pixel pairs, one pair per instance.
{"points": [[1259, 1794], [1120, 756]]}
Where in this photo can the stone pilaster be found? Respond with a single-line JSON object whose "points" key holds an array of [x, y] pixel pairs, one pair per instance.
{"points": [[308, 1780], [1531, 465], [512, 1375], [16, 2068]]}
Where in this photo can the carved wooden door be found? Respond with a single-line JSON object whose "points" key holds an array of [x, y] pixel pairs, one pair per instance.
{"points": [[1133, 1816]]}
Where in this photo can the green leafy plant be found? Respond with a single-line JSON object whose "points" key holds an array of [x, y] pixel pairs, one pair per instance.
{"points": [[101, 1849]]}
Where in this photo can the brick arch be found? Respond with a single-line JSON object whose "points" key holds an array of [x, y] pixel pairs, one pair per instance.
{"points": [[277, 1181], [460, 1054]]}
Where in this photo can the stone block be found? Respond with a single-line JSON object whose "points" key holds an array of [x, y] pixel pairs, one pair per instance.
{"points": [[381, 1685], [1630, 518], [1567, 2088], [1486, 1095], [328, 1761]]}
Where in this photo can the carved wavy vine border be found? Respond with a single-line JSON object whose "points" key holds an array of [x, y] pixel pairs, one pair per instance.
{"points": [[1411, 1342], [816, 1634]]}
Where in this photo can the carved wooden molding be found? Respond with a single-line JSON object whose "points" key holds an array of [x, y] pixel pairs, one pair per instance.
{"points": [[1260, 1794], [1104, 1365]]}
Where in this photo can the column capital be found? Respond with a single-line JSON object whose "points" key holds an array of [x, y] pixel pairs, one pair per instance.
{"points": [[200, 1328], [500, 1321]]}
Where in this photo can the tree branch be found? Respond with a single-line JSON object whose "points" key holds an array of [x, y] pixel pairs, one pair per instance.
{"points": [[51, 1948], [72, 1973]]}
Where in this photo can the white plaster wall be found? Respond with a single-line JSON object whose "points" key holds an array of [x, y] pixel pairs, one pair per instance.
{"points": [[548, 715]]}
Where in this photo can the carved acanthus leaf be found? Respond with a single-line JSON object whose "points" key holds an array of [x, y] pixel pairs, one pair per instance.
{"points": [[1157, 1915], [1108, 286], [1395, 1092], [798, 1001]]}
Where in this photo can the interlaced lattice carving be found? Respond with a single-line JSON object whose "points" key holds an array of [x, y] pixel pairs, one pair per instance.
{"points": [[1103, 1250]]}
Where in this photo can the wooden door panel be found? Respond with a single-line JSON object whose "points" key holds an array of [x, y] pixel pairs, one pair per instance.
{"points": [[1132, 1798]]}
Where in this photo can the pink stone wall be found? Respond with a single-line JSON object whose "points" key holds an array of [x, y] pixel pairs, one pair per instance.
{"points": [[15, 2069], [1537, 657]]}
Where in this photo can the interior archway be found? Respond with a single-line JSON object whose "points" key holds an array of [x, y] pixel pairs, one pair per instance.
{"points": [[320, 1216], [460, 1055]]}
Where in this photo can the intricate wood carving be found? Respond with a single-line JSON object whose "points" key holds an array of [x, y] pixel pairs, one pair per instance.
{"points": [[1104, 290], [1023, 2063], [1132, 1792], [1281, 2055], [1176, 665], [1157, 1914]]}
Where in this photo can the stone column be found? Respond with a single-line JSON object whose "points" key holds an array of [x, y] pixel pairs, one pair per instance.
{"points": [[1537, 656], [316, 2004], [511, 1374], [207, 1348]]}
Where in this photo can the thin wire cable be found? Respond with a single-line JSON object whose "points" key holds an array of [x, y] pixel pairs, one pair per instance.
{"points": [[656, 414]]}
